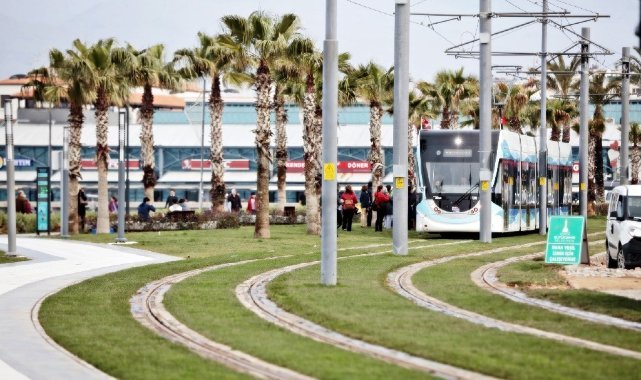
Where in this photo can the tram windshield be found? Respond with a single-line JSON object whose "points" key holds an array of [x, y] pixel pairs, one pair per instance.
{"points": [[452, 177]]}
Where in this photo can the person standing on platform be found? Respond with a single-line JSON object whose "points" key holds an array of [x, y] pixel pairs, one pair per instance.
{"points": [[349, 207]]}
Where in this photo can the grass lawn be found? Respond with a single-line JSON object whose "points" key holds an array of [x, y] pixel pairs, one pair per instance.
{"points": [[533, 277], [92, 319], [4, 259]]}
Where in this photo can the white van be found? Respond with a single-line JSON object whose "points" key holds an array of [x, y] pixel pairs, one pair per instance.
{"points": [[623, 231]]}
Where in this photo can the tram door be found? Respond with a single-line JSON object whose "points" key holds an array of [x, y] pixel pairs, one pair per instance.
{"points": [[510, 202], [527, 192], [553, 190]]}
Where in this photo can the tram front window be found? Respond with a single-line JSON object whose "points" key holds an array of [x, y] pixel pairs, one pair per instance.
{"points": [[454, 185]]}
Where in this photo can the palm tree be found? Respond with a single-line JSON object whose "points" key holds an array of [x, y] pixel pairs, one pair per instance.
{"points": [[448, 89], [63, 81], [212, 59], [375, 85], [602, 89], [515, 98], [105, 64], [260, 41], [562, 78], [149, 70], [635, 138]]}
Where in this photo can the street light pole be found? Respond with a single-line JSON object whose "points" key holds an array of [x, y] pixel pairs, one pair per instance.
{"points": [[64, 179], [401, 109], [485, 120], [202, 150], [121, 176], [11, 190], [543, 133], [625, 117], [330, 152], [127, 159], [583, 124]]}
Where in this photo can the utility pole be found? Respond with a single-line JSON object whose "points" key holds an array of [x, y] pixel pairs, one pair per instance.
{"points": [[625, 117], [202, 150], [121, 176], [485, 119], [543, 131], [64, 185], [11, 186], [401, 109], [583, 124], [330, 152]]}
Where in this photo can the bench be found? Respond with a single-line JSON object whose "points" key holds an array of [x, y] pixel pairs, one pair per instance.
{"points": [[181, 216]]}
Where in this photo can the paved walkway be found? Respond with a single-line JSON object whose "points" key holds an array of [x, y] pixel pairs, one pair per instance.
{"points": [[25, 352]]}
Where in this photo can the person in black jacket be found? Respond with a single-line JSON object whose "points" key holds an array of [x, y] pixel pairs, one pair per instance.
{"points": [[234, 199], [171, 199], [366, 206]]}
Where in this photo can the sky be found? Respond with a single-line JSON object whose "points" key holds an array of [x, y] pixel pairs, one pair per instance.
{"points": [[30, 28]]}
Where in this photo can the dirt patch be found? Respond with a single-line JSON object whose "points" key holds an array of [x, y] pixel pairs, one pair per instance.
{"points": [[598, 277]]}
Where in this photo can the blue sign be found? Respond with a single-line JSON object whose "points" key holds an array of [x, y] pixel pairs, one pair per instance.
{"points": [[43, 199]]}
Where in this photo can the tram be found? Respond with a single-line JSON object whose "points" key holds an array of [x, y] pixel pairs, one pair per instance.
{"points": [[448, 179]]}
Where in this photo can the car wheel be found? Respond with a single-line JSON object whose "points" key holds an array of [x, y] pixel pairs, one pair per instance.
{"points": [[620, 259], [611, 263]]}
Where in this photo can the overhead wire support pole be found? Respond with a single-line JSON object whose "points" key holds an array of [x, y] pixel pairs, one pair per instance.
{"points": [[485, 120], [401, 109], [583, 124], [330, 153], [625, 117], [543, 131], [442, 21], [11, 190]]}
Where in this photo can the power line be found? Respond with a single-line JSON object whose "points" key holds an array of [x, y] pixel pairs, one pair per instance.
{"points": [[575, 6], [370, 8]]}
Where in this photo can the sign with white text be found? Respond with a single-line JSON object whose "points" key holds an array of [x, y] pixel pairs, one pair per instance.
{"points": [[567, 241]]}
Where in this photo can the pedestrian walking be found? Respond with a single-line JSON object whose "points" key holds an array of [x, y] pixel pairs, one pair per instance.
{"points": [[113, 205], [234, 200], [381, 199], [83, 201]]}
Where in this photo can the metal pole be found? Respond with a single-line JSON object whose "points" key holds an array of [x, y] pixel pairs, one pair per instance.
{"points": [[202, 149], [583, 123], [330, 152], [11, 186], [121, 177], [127, 160], [625, 117], [485, 119], [49, 160], [543, 133], [401, 109], [64, 185]]}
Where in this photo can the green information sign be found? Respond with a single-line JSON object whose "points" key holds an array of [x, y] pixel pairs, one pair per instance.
{"points": [[567, 241], [44, 199]]}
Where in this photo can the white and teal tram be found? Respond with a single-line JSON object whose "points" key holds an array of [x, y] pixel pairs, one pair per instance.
{"points": [[448, 178]]}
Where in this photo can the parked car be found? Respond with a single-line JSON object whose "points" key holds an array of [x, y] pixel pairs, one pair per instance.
{"points": [[623, 230]]}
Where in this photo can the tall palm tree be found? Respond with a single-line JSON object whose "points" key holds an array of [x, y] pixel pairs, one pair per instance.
{"points": [[602, 89], [220, 63], [63, 81], [260, 41], [561, 78], [449, 88], [375, 85], [635, 139], [149, 69], [515, 98], [104, 75]]}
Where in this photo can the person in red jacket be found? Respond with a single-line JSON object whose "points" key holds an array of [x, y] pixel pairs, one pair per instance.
{"points": [[349, 202], [381, 198], [251, 204]]}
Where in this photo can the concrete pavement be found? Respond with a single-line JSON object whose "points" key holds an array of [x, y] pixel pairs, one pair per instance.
{"points": [[25, 351]]}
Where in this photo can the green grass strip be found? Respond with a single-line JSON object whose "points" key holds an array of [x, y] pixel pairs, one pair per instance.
{"points": [[208, 304], [534, 278], [4, 259]]}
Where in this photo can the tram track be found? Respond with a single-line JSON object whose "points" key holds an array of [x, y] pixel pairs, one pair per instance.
{"points": [[486, 278], [401, 282]]}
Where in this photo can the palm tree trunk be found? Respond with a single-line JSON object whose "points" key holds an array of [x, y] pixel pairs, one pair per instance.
{"points": [[281, 148], [102, 155], [312, 140], [147, 142], [555, 134], [566, 132], [591, 166], [263, 139], [636, 164], [445, 120], [216, 105], [75, 119], [375, 156]]}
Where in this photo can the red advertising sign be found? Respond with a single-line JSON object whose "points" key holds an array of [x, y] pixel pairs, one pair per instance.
{"points": [[298, 166], [229, 164], [90, 164], [575, 167]]}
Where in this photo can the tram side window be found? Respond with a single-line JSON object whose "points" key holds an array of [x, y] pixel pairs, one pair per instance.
{"points": [[565, 186], [510, 179], [525, 184]]}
